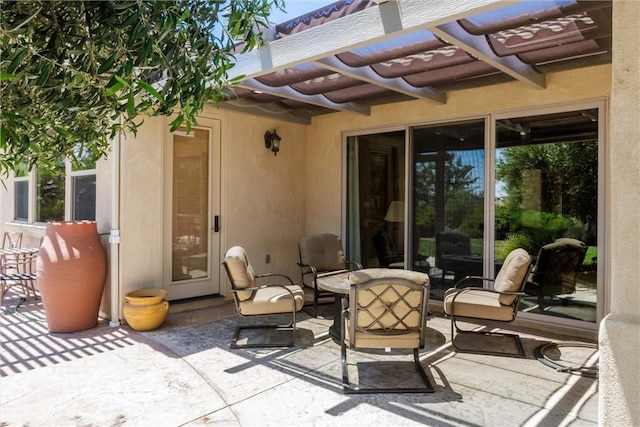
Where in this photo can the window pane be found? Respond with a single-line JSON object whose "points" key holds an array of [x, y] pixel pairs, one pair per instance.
{"points": [[375, 199], [84, 197], [191, 205], [50, 194], [547, 189], [448, 202], [21, 200]]}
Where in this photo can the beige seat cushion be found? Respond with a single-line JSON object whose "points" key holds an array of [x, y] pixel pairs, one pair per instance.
{"points": [[272, 300], [371, 340], [511, 277], [477, 303]]}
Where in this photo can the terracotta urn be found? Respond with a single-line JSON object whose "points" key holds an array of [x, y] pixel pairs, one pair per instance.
{"points": [[145, 309], [71, 270]]}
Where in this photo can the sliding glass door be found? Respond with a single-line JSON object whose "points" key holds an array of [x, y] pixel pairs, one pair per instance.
{"points": [[546, 201], [468, 192], [375, 199], [448, 201]]}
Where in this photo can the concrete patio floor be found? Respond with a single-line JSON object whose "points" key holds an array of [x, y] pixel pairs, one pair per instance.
{"points": [[184, 374]]}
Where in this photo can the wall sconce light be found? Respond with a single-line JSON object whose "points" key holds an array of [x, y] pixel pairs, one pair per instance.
{"points": [[272, 141]]}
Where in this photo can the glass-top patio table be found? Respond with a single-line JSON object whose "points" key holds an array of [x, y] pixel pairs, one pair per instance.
{"points": [[339, 285]]}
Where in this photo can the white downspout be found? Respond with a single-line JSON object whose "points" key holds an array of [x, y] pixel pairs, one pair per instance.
{"points": [[114, 236]]}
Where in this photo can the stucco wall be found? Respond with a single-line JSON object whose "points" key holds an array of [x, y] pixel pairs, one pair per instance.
{"points": [[141, 204], [324, 141], [262, 196], [620, 331]]}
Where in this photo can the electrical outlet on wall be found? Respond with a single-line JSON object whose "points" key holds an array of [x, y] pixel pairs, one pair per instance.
{"points": [[267, 259]]}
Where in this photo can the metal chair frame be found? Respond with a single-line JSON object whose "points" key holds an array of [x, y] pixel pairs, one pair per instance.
{"points": [[376, 327], [317, 292], [455, 328], [290, 327], [554, 267], [20, 273]]}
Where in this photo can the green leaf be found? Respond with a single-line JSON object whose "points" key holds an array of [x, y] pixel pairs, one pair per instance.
{"points": [[44, 75], [16, 60], [150, 89], [106, 65], [36, 121], [122, 81], [7, 76], [62, 132], [113, 89], [131, 105], [176, 123]]}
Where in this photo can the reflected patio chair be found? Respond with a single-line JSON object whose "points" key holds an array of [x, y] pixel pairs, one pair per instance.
{"points": [[388, 255], [556, 269], [451, 243], [386, 309], [252, 299], [322, 255], [497, 304]]}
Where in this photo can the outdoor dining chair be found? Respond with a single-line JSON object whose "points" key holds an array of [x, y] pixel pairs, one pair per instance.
{"points": [[20, 272], [322, 255], [497, 304], [386, 309], [10, 240], [252, 299], [556, 269]]}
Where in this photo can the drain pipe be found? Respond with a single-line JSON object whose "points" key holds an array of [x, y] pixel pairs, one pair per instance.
{"points": [[114, 236]]}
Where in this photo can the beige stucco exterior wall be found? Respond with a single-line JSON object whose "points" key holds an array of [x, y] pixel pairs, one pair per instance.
{"points": [[620, 332], [141, 202], [262, 196], [324, 137]]}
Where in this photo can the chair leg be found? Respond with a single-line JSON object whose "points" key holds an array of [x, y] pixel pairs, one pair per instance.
{"points": [[516, 338], [289, 327], [315, 300], [348, 389]]}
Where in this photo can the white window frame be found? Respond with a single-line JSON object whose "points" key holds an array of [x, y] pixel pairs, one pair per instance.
{"points": [[69, 189]]}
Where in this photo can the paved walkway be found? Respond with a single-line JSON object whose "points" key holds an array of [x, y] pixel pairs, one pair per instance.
{"points": [[185, 374]]}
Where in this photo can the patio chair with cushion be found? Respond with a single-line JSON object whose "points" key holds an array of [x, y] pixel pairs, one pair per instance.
{"points": [[252, 299], [451, 243], [556, 269], [322, 255], [386, 309], [497, 304]]}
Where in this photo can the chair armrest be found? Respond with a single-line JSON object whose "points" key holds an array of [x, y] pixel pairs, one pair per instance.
{"points": [[266, 275], [345, 306], [357, 265], [466, 278], [311, 268], [491, 291], [269, 285], [344, 315]]}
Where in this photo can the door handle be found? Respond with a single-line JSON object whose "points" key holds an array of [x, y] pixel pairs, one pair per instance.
{"points": [[216, 223]]}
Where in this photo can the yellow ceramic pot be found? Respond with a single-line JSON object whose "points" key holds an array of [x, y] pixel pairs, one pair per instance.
{"points": [[146, 309]]}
